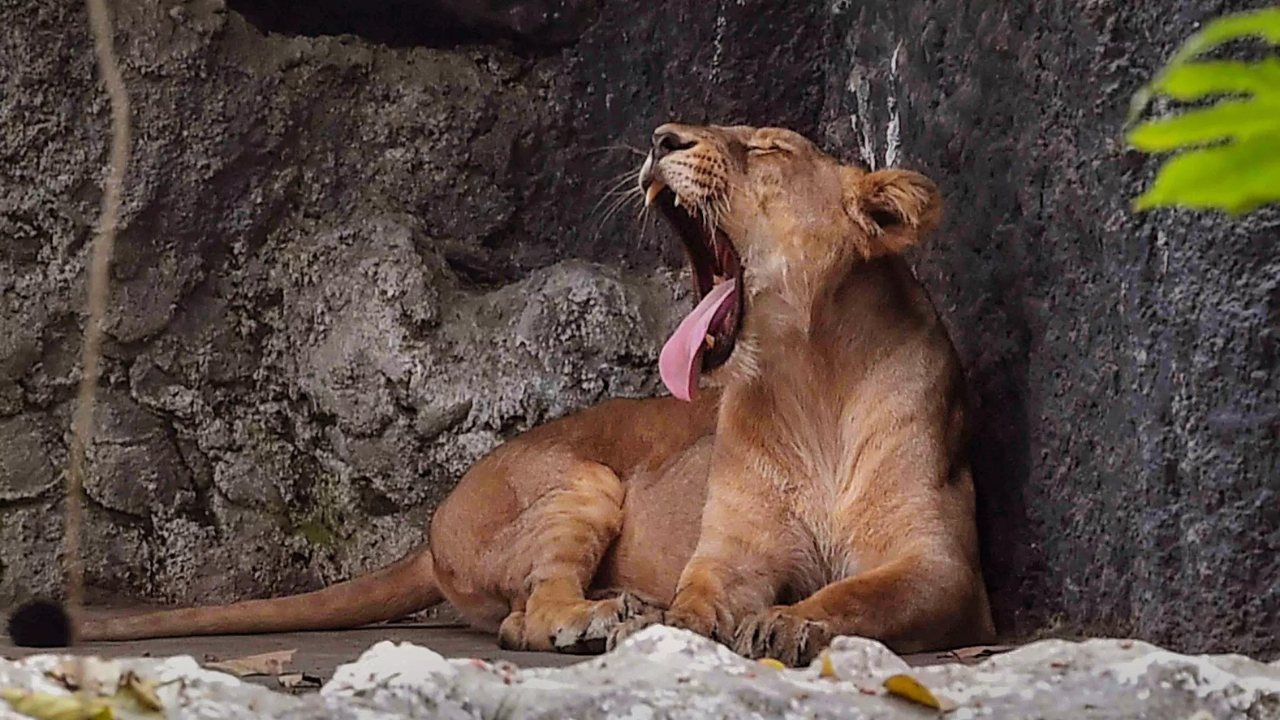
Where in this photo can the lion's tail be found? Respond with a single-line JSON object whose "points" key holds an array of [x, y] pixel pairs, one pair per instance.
{"points": [[406, 586]]}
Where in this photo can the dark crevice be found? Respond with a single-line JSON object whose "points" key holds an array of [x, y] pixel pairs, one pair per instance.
{"points": [[38, 500], [526, 26], [120, 518], [371, 500], [402, 23], [201, 483]]}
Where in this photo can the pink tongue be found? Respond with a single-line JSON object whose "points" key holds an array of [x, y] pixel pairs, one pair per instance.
{"points": [[678, 363]]}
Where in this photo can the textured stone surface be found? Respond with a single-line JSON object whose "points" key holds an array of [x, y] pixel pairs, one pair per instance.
{"points": [[321, 314], [663, 672], [349, 269]]}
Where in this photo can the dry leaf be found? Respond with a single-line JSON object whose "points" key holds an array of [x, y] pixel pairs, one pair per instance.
{"points": [[298, 681], [979, 652], [44, 706], [775, 664], [905, 686], [828, 668], [272, 663]]}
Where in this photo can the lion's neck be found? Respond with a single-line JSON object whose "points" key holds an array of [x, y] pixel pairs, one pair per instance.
{"points": [[805, 360], [790, 291], [826, 321]]}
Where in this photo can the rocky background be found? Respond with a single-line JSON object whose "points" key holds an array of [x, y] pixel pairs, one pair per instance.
{"points": [[365, 242]]}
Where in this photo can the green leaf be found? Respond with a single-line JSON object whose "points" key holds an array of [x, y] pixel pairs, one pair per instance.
{"points": [[1236, 178], [1196, 80], [1241, 170], [1235, 119], [1264, 24]]}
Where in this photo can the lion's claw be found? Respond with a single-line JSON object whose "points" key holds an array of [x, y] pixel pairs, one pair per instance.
{"points": [[627, 628], [778, 634], [583, 627]]}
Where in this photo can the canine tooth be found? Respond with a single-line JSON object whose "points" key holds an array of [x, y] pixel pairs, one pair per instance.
{"points": [[709, 341], [677, 200], [652, 193], [717, 279]]}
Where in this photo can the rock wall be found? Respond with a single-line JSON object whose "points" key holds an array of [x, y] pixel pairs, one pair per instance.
{"points": [[350, 267], [1125, 366], [344, 275]]}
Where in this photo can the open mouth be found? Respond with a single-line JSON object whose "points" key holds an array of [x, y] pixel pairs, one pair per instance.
{"points": [[705, 339]]}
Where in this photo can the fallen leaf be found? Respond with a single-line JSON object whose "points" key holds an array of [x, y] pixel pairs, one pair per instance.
{"points": [[298, 681], [775, 664], [979, 652], [907, 687], [139, 691], [272, 663], [828, 668], [44, 706]]}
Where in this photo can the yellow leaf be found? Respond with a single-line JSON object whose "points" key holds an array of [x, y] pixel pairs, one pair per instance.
{"points": [[43, 706], [905, 686], [828, 668], [139, 691], [775, 664]]}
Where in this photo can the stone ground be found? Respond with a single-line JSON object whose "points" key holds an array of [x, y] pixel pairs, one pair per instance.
{"points": [[319, 653]]}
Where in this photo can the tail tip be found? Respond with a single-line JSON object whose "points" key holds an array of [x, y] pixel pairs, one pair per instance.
{"points": [[41, 624]]}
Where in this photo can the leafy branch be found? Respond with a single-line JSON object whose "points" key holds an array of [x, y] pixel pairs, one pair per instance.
{"points": [[1230, 150]]}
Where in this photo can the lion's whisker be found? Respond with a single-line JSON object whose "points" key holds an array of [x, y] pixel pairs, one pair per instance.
{"points": [[609, 148], [620, 200], [612, 192]]}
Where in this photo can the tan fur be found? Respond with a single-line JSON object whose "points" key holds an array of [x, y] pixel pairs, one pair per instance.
{"points": [[823, 489], [839, 483]]}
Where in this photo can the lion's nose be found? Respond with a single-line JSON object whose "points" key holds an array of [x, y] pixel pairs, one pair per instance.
{"points": [[668, 139]]}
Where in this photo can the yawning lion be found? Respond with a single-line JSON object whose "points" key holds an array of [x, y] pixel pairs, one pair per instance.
{"points": [[817, 486]]}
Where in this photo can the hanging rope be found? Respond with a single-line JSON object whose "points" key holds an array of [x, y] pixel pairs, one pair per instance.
{"points": [[104, 241]]}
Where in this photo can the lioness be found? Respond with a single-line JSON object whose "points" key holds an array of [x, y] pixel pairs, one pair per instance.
{"points": [[822, 489]]}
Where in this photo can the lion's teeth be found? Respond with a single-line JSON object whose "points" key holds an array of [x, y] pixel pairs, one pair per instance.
{"points": [[677, 201], [717, 279], [709, 341], [652, 193]]}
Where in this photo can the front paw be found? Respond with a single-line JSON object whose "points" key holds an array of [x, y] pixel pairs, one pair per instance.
{"points": [[629, 627], [670, 618], [777, 633]]}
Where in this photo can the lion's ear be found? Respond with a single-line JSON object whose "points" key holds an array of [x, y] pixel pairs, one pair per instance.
{"points": [[897, 207]]}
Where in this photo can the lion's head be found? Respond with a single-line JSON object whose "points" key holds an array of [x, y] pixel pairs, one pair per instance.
{"points": [[758, 208]]}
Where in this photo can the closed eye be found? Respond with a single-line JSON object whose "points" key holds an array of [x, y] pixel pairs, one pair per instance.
{"points": [[765, 149]]}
